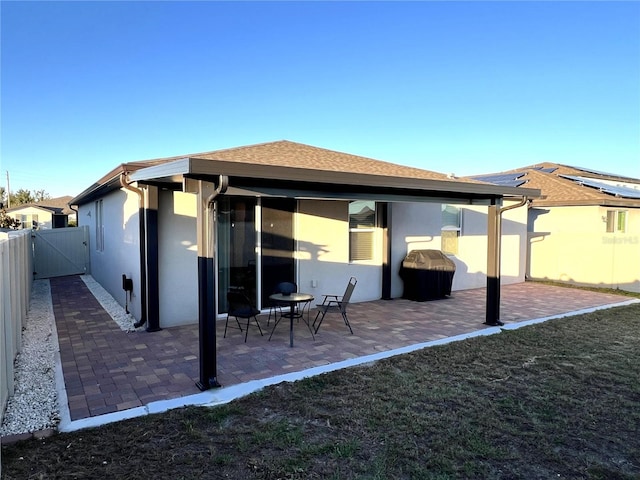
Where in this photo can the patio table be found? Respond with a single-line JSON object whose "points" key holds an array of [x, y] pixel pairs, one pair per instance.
{"points": [[292, 299]]}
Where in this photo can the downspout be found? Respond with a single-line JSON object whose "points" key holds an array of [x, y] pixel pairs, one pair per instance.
{"points": [[77, 215], [143, 268], [221, 188], [521, 203], [207, 295]]}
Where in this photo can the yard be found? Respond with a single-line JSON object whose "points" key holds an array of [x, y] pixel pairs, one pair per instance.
{"points": [[554, 400]]}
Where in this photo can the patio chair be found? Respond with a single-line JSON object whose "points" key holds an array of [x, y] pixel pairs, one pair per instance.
{"points": [[336, 303], [241, 307]]}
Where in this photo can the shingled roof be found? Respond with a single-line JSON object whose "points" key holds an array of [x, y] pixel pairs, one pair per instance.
{"points": [[295, 166], [57, 206], [564, 185], [285, 153]]}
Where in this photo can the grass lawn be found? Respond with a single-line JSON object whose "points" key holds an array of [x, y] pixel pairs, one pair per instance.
{"points": [[555, 400]]}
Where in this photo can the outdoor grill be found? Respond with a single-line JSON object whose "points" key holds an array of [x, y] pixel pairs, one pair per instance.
{"points": [[427, 275]]}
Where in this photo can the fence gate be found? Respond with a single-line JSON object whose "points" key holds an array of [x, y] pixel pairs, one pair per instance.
{"points": [[60, 251]]}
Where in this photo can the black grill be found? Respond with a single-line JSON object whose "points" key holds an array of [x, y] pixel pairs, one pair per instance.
{"points": [[427, 275]]}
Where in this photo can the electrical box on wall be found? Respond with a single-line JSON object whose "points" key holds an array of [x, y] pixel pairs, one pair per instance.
{"points": [[127, 286]]}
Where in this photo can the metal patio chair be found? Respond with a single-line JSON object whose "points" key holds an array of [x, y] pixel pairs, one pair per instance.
{"points": [[241, 307], [336, 303]]}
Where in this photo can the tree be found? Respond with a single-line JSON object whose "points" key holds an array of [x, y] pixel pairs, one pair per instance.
{"points": [[41, 195], [7, 222], [21, 197]]}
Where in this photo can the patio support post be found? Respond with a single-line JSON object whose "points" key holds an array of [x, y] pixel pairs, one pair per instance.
{"points": [[494, 234], [383, 211], [153, 295], [207, 291]]}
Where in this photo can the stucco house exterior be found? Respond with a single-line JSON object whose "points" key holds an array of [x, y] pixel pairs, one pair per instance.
{"points": [[585, 227], [187, 229], [51, 213]]}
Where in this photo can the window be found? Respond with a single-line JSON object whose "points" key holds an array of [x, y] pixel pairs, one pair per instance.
{"points": [[451, 229], [362, 223], [99, 227], [616, 221]]}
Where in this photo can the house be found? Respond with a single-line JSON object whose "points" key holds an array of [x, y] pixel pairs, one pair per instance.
{"points": [[182, 231], [50, 213], [584, 229]]}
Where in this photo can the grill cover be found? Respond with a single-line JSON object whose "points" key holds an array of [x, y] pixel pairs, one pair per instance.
{"points": [[427, 275]]}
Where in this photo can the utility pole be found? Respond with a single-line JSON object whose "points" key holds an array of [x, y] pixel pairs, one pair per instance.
{"points": [[8, 191]]}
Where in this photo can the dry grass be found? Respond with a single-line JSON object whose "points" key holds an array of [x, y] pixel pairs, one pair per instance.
{"points": [[555, 400]]}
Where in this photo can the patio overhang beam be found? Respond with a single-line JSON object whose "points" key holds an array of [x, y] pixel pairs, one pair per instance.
{"points": [[309, 183]]}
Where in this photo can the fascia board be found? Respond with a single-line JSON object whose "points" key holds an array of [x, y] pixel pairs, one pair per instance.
{"points": [[96, 190], [169, 170]]}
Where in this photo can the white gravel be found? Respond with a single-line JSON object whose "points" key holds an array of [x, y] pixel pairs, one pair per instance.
{"points": [[34, 405]]}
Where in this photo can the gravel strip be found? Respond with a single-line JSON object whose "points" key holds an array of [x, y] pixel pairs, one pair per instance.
{"points": [[34, 404]]}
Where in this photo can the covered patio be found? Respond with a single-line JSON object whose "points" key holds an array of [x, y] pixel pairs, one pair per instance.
{"points": [[291, 205], [107, 370]]}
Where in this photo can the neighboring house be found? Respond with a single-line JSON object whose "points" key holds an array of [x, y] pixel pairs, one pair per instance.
{"points": [[188, 229], [584, 229], [51, 213]]}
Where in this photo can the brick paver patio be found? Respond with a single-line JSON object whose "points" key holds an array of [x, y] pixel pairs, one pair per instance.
{"points": [[108, 370]]}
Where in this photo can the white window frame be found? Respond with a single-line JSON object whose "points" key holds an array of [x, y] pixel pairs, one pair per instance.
{"points": [[616, 221], [356, 236], [99, 226], [449, 242]]}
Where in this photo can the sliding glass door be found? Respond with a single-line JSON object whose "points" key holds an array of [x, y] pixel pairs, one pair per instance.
{"points": [[236, 248], [278, 244]]}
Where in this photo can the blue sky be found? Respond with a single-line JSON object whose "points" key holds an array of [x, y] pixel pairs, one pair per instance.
{"points": [[455, 87]]}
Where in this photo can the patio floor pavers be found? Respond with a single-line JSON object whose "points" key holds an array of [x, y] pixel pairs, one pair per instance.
{"points": [[108, 370]]}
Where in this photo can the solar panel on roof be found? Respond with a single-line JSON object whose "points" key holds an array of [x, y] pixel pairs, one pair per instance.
{"points": [[605, 188], [545, 170], [588, 170], [504, 179]]}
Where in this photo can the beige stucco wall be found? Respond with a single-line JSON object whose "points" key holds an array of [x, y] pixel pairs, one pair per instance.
{"points": [[322, 230], [177, 258], [570, 244], [418, 226]]}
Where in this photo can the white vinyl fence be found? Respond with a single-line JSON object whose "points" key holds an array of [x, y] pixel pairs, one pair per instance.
{"points": [[16, 279]]}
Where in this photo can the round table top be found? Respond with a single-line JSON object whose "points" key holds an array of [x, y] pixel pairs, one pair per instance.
{"points": [[292, 297]]}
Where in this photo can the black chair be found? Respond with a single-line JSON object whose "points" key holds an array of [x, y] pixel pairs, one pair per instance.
{"points": [[336, 303], [241, 307]]}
